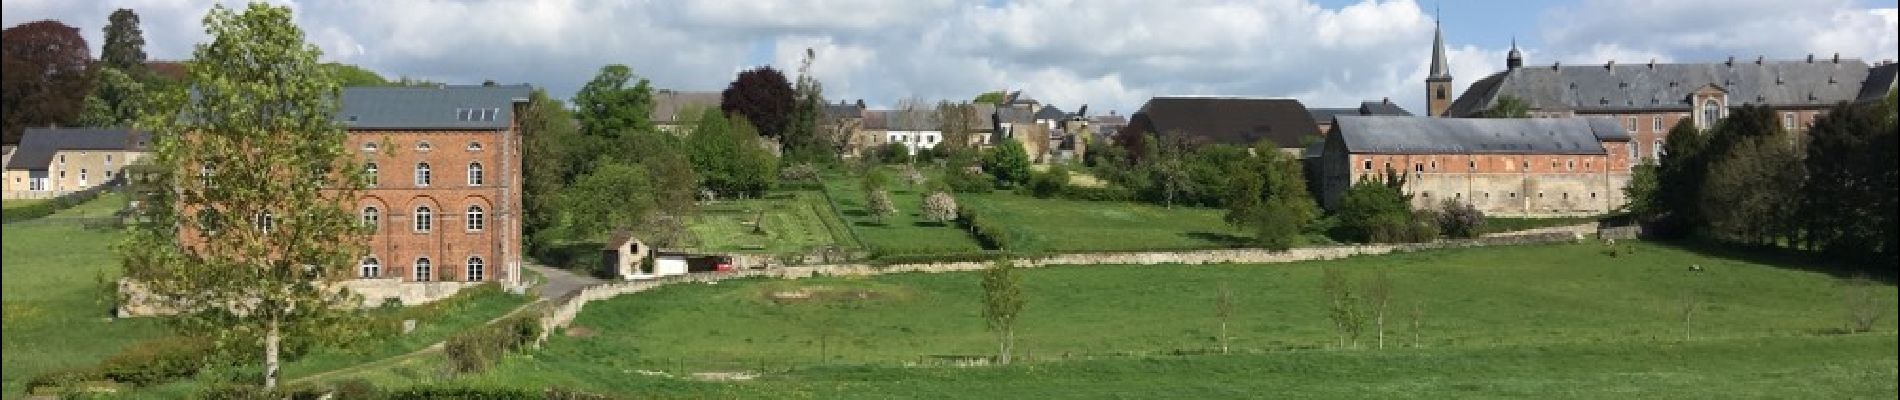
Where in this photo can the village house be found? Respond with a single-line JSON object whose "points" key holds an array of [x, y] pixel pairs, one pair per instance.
{"points": [[1238, 121], [1527, 167], [53, 161], [674, 111]]}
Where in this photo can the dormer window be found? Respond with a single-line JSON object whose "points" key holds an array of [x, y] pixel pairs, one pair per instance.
{"points": [[477, 114]]}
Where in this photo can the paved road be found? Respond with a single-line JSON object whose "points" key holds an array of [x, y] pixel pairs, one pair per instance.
{"points": [[560, 282]]}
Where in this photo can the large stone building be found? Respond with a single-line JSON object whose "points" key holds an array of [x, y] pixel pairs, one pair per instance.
{"points": [[445, 167], [1649, 98], [54, 161], [1239, 121], [1509, 167]]}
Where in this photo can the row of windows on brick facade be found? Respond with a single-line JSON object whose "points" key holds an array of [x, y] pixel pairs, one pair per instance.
{"points": [[424, 175], [475, 270], [1487, 195], [371, 147], [424, 219], [1473, 164]]}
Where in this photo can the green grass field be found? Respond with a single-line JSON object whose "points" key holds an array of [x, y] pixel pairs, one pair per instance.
{"points": [[787, 222], [1562, 320], [55, 310], [20, 203], [1061, 225], [904, 233]]}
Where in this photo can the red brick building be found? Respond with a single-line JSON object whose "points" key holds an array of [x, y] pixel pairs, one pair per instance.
{"points": [[1517, 167], [445, 162]]}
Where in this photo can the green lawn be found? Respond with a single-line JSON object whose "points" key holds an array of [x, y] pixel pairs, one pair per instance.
{"points": [[1045, 225], [1505, 224], [435, 322], [786, 222], [1558, 320], [904, 233], [55, 311]]}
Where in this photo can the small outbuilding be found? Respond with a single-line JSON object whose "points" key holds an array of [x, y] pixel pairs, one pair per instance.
{"points": [[625, 256]]}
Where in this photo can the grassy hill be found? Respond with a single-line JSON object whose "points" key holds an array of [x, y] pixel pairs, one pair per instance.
{"points": [[1562, 320]]}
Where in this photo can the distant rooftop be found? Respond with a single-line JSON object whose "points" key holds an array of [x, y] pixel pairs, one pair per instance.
{"points": [[431, 107]]}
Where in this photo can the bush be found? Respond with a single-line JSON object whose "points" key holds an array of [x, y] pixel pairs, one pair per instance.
{"points": [[1459, 220], [1048, 184], [893, 153], [157, 361], [1105, 193], [962, 180], [476, 350], [48, 207], [987, 231], [52, 381]]}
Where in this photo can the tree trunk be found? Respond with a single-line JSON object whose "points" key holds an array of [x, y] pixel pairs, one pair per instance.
{"points": [[272, 337], [1002, 357], [1223, 336], [1381, 327]]}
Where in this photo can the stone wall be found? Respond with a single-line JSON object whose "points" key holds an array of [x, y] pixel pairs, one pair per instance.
{"points": [[565, 309], [136, 301]]}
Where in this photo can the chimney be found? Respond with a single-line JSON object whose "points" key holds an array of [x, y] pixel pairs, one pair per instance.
{"points": [[1611, 65], [1652, 63], [1810, 58], [1837, 58], [1759, 59], [1387, 100], [488, 83], [1555, 64], [1731, 61]]}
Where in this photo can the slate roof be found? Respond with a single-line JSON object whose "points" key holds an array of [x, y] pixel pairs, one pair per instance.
{"points": [[1382, 107], [37, 145], [1643, 86], [843, 111], [431, 107], [1880, 81], [1227, 120], [1110, 119], [1014, 115], [1427, 135], [668, 104], [1051, 113]]}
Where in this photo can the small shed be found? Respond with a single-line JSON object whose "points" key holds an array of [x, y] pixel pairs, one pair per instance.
{"points": [[624, 256]]}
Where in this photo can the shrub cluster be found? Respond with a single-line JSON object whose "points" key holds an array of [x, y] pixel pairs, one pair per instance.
{"points": [[1105, 193], [45, 208], [987, 231], [476, 350], [1460, 220], [143, 364]]}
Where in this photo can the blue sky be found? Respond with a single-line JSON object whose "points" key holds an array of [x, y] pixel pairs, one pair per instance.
{"points": [[1110, 54]]}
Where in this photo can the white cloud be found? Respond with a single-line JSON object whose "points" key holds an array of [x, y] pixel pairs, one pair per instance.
{"points": [[1110, 54]]}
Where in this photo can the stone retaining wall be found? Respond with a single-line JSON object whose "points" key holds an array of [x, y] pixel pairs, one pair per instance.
{"points": [[566, 309]]}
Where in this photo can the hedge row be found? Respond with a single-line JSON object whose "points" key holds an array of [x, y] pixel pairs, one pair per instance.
{"points": [[142, 364], [50, 206], [476, 350]]}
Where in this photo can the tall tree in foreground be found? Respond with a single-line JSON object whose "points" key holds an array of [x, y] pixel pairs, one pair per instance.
{"points": [[125, 42], [1850, 197], [803, 141], [1002, 303], [44, 78], [261, 169]]}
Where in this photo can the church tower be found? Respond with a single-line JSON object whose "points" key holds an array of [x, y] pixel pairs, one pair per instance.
{"points": [[1438, 94]]}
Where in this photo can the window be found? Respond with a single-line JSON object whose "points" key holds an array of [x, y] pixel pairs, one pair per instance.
{"points": [[82, 175], [369, 147], [1434, 165], [464, 114], [475, 218], [1635, 151], [1630, 125], [474, 269], [1418, 167], [1586, 165], [474, 146], [266, 222], [1368, 166], [1388, 165], [422, 174], [62, 174], [62, 160], [1440, 93], [369, 174], [422, 269], [1711, 111], [372, 217], [1656, 150], [1427, 194], [1655, 124], [1571, 166], [474, 174], [1527, 165], [1513, 195], [371, 268], [109, 156], [1787, 121], [424, 146], [424, 218]]}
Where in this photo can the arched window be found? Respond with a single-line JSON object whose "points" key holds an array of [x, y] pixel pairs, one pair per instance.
{"points": [[423, 146], [372, 217], [422, 174], [1711, 111], [474, 174], [423, 272], [371, 268], [474, 146], [369, 174], [423, 219], [475, 272], [1656, 150], [475, 221]]}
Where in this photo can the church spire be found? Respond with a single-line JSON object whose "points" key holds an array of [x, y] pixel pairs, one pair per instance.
{"points": [[1515, 59], [1440, 69]]}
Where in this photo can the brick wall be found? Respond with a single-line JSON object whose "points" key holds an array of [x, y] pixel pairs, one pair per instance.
{"points": [[451, 199]]}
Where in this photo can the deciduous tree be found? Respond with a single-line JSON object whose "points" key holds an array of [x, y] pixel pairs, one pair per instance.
{"points": [[44, 76], [1002, 303], [764, 98], [1008, 162], [125, 42], [260, 164], [940, 207]]}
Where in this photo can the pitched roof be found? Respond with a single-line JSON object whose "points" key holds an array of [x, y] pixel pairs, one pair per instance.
{"points": [[431, 107], [1880, 81], [668, 105], [1382, 107], [1427, 135], [1110, 119], [1014, 115], [1616, 87], [37, 145], [843, 111], [1228, 120], [1051, 113]]}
